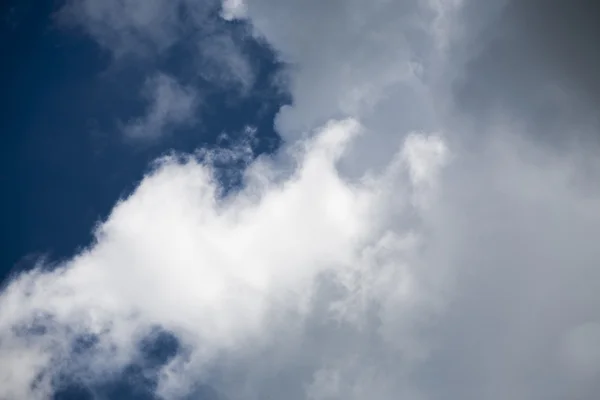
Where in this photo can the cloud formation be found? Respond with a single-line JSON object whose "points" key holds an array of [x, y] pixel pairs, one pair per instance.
{"points": [[222, 275], [414, 237]]}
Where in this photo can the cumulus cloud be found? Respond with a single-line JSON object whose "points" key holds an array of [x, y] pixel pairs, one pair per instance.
{"points": [[226, 276], [423, 248], [170, 104]]}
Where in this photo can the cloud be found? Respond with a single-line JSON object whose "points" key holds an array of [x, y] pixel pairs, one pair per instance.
{"points": [[536, 61], [233, 9], [170, 105], [509, 223], [436, 244], [219, 274], [368, 55], [471, 275], [521, 221]]}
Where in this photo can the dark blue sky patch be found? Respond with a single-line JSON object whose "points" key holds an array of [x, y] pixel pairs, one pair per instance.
{"points": [[64, 160], [74, 392], [129, 384], [38, 326], [137, 380], [158, 348]]}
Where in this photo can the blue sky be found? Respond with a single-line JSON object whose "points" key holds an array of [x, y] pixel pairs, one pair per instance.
{"points": [[248, 199], [66, 161]]}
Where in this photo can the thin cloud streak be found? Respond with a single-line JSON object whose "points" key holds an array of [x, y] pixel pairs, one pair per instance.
{"points": [[170, 105]]}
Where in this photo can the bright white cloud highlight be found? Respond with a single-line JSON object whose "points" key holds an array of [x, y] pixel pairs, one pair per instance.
{"points": [[233, 9]]}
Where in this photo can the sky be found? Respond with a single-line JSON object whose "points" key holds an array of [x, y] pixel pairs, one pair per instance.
{"points": [[320, 200]]}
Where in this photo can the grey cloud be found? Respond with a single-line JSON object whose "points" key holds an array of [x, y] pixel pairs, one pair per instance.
{"points": [[534, 60], [524, 237], [347, 57], [564, 34], [518, 219]]}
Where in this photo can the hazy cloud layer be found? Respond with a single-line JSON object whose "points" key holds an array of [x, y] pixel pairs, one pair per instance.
{"points": [[420, 235]]}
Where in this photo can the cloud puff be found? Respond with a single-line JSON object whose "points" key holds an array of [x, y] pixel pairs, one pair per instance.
{"points": [[171, 104]]}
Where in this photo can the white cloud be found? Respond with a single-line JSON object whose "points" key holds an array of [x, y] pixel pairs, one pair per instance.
{"points": [[480, 271], [170, 105], [219, 274], [233, 9], [383, 264]]}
